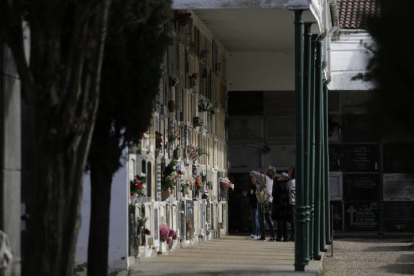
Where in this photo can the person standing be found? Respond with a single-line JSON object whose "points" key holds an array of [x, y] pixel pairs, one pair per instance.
{"points": [[280, 211], [254, 215], [264, 181], [292, 194]]}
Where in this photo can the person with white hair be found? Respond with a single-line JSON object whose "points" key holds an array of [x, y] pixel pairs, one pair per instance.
{"points": [[264, 184]]}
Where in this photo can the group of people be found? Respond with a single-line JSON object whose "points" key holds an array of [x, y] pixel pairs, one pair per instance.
{"points": [[276, 202]]}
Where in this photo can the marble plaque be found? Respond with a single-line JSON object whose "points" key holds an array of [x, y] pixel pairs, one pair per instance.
{"points": [[361, 216], [280, 128], [399, 216], [245, 127], [398, 187], [245, 156], [361, 158], [361, 186], [280, 156]]}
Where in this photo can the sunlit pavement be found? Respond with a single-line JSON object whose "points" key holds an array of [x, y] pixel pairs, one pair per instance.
{"points": [[233, 255]]}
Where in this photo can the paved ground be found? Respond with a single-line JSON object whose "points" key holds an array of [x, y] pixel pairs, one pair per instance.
{"points": [[233, 255], [371, 255]]}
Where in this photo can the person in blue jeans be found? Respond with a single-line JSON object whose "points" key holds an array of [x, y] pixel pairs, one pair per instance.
{"points": [[254, 215]]}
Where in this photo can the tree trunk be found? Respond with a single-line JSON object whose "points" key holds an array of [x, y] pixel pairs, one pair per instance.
{"points": [[101, 182], [64, 94]]}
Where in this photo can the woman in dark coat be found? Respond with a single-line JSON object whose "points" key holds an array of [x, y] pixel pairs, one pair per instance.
{"points": [[280, 211]]}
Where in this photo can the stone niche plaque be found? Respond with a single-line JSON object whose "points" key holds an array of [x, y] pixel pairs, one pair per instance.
{"points": [[361, 186], [280, 128], [281, 156], [245, 156], [361, 158], [398, 187], [397, 158], [399, 216], [361, 216], [360, 128], [336, 185], [246, 128]]}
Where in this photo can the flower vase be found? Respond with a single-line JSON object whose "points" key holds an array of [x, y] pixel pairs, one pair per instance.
{"points": [[187, 190], [163, 247], [133, 198], [166, 193]]}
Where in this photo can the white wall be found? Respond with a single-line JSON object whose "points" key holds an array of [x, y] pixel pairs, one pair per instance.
{"points": [[12, 166], [250, 71], [118, 229], [349, 57]]}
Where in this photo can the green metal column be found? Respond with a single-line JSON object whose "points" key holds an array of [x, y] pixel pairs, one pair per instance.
{"points": [[306, 120], [318, 151], [313, 146], [323, 174], [327, 190], [381, 230], [299, 208]]}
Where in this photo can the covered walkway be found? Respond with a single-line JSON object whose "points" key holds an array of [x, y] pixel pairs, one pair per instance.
{"points": [[233, 255]]}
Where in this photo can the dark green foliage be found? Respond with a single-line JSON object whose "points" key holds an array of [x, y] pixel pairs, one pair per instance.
{"points": [[130, 75], [131, 72], [392, 66]]}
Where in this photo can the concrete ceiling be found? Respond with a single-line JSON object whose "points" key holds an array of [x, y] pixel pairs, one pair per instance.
{"points": [[253, 30]]}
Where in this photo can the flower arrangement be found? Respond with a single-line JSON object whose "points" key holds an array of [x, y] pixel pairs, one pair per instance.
{"points": [[158, 140], [198, 182], [138, 186], [192, 152], [187, 182], [225, 183], [195, 152], [171, 175], [205, 194], [201, 151], [172, 135], [167, 234], [205, 105], [144, 134]]}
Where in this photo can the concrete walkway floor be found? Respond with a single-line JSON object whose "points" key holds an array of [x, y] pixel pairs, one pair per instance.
{"points": [[233, 255]]}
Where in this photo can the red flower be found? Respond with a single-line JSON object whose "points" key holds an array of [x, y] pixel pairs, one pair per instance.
{"points": [[180, 172], [179, 138], [137, 176], [198, 176], [171, 133], [139, 185], [132, 193], [147, 232]]}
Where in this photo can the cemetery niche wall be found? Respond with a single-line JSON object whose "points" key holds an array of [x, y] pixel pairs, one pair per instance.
{"points": [[175, 169], [354, 149]]}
